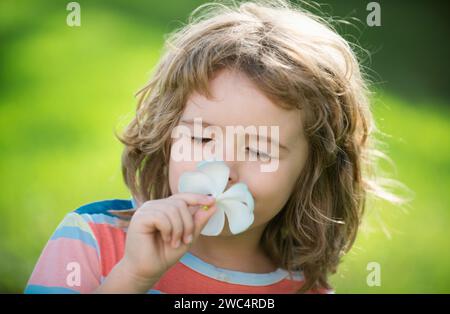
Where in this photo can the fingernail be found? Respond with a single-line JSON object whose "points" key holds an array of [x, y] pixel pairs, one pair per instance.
{"points": [[189, 238], [177, 244], [210, 198]]}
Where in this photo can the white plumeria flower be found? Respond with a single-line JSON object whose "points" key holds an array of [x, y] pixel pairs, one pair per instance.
{"points": [[211, 177]]}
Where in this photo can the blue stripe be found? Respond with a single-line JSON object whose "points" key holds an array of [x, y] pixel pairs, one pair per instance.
{"points": [[36, 289], [100, 219], [102, 207], [154, 291], [76, 234]]}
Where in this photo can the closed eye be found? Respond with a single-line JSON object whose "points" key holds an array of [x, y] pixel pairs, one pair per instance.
{"points": [[201, 140], [258, 153]]}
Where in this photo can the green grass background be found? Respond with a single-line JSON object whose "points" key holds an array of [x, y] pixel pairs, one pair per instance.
{"points": [[63, 92]]}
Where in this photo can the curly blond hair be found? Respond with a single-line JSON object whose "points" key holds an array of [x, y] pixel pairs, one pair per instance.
{"points": [[300, 62]]}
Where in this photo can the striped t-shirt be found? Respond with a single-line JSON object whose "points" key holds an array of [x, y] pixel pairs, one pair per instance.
{"points": [[90, 241]]}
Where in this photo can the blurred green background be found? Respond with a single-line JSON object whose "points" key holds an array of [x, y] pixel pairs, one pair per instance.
{"points": [[64, 90]]}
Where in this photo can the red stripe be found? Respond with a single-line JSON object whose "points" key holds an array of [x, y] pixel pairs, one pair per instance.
{"points": [[111, 241], [182, 279]]}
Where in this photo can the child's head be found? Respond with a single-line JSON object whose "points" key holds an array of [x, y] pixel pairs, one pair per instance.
{"points": [[265, 64]]}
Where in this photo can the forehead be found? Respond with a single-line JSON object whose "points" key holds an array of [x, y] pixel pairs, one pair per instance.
{"points": [[237, 101]]}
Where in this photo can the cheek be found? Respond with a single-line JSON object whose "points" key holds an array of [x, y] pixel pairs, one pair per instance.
{"points": [[270, 191], [176, 169]]}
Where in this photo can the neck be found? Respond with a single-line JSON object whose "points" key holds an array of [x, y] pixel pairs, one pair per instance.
{"points": [[241, 252]]}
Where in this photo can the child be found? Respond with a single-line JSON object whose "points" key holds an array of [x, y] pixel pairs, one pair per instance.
{"points": [[253, 64]]}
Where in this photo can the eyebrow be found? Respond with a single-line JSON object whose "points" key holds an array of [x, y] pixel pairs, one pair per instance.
{"points": [[191, 122]]}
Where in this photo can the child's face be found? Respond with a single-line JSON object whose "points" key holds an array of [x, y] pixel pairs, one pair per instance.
{"points": [[238, 102]]}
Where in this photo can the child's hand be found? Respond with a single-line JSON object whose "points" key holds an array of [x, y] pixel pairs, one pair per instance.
{"points": [[161, 231]]}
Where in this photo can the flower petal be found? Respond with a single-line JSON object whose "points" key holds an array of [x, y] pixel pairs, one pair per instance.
{"points": [[239, 216], [239, 192], [196, 182], [217, 171], [215, 224]]}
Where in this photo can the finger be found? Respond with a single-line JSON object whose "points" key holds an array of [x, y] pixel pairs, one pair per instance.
{"points": [[177, 225], [188, 221], [201, 218], [193, 199], [158, 221], [177, 202]]}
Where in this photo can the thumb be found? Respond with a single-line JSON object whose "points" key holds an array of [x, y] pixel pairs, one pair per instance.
{"points": [[201, 218]]}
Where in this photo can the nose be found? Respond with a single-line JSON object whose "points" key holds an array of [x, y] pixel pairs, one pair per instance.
{"points": [[229, 151], [233, 178], [233, 165]]}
